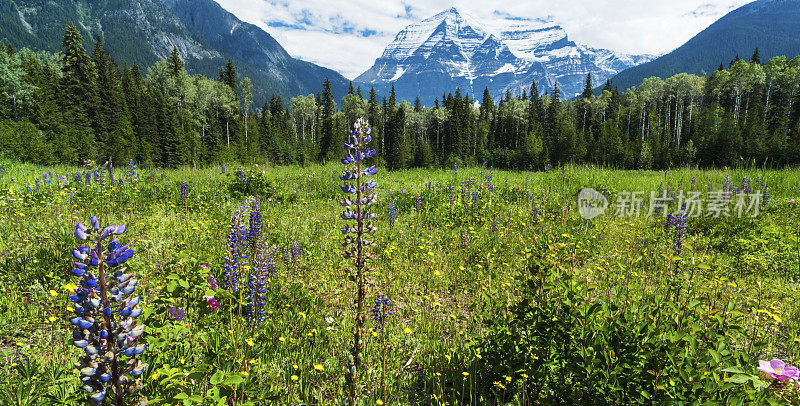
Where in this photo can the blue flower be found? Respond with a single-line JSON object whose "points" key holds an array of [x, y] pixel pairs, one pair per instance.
{"points": [[264, 269], [105, 321], [380, 311], [392, 212], [359, 211]]}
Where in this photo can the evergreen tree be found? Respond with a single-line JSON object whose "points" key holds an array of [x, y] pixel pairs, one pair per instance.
{"points": [[588, 91], [392, 98], [756, 58], [77, 96], [247, 101], [175, 62], [373, 115], [227, 75], [328, 149], [111, 124]]}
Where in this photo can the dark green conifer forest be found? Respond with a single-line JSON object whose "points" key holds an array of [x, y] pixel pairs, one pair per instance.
{"points": [[80, 104]]}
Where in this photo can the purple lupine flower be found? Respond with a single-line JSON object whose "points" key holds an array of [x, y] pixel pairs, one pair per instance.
{"points": [[380, 311], [105, 313], [671, 219], [237, 252], [747, 185], [184, 190], [679, 234], [452, 196], [297, 252], [358, 209], [392, 212], [286, 255], [254, 232], [418, 203], [264, 269]]}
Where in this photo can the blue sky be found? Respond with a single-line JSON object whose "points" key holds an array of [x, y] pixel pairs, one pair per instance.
{"points": [[348, 35]]}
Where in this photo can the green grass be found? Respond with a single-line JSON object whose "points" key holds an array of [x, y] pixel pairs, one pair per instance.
{"points": [[444, 292]]}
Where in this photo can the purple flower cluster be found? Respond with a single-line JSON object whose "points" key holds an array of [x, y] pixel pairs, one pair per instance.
{"points": [[297, 252], [392, 212], [105, 321], [363, 189], [184, 190], [677, 223], [264, 269], [254, 232], [360, 188], [236, 252], [380, 311]]}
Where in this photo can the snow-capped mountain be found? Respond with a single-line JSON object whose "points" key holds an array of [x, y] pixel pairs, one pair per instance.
{"points": [[454, 49]]}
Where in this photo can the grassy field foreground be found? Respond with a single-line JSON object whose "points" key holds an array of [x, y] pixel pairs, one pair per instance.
{"points": [[500, 292]]}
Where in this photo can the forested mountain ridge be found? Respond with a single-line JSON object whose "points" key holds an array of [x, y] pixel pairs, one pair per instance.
{"points": [[145, 31], [769, 25], [255, 47], [76, 105]]}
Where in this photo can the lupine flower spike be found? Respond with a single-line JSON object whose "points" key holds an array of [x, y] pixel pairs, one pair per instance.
{"points": [[105, 322], [380, 312], [358, 208], [392, 212]]}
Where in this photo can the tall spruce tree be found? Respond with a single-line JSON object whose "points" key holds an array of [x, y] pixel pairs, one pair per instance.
{"points": [[77, 96], [327, 147], [756, 58], [227, 75], [588, 90], [175, 62]]}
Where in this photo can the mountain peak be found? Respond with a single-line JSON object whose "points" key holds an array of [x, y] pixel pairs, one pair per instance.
{"points": [[454, 49], [451, 10]]}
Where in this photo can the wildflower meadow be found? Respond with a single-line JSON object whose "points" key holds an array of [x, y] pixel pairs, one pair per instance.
{"points": [[344, 283]]}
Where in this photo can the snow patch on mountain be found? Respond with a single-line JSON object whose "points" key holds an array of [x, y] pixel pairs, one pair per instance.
{"points": [[455, 49]]}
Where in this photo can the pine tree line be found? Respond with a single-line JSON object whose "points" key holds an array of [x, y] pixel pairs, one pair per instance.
{"points": [[74, 106]]}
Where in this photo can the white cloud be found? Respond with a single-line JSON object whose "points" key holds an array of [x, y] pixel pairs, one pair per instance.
{"points": [[332, 33]]}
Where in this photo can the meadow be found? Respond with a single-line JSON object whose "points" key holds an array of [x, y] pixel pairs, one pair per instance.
{"points": [[499, 291]]}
